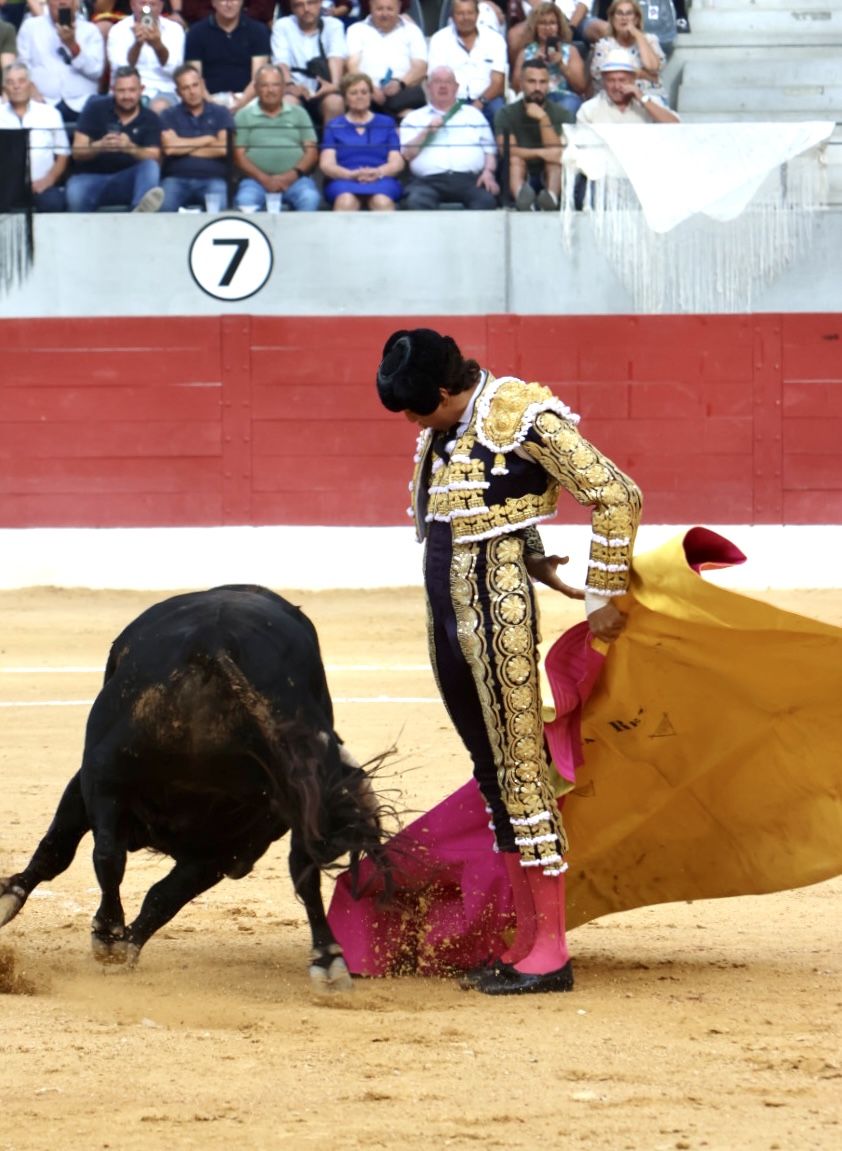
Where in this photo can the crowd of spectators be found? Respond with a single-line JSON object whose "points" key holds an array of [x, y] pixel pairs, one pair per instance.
{"points": [[173, 105]]}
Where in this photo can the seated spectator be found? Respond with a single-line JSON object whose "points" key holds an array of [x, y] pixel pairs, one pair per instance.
{"points": [[550, 42], [8, 44], [194, 141], [66, 56], [192, 11], [228, 48], [152, 44], [311, 48], [116, 151], [391, 50], [626, 23], [682, 22], [348, 11], [276, 148], [361, 154], [450, 150], [476, 55], [584, 28], [49, 148], [533, 129], [622, 99]]}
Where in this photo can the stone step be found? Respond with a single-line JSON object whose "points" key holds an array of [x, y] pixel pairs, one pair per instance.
{"points": [[773, 66], [807, 101]]}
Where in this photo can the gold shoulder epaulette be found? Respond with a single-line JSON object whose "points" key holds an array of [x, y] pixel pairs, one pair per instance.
{"points": [[507, 408]]}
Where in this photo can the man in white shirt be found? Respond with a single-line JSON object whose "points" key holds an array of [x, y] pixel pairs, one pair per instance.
{"points": [[152, 44], [66, 56], [392, 52], [477, 57], [621, 100], [49, 148], [450, 150], [311, 50]]}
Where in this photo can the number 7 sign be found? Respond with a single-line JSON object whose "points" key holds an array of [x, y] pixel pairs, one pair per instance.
{"points": [[230, 259]]}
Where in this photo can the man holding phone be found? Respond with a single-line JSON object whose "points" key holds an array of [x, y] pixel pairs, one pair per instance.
{"points": [[117, 152], [65, 55], [152, 44]]}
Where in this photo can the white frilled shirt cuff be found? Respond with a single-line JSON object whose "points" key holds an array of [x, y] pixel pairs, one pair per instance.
{"points": [[594, 600]]}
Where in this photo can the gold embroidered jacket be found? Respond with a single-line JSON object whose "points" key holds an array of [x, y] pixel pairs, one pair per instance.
{"points": [[505, 471]]}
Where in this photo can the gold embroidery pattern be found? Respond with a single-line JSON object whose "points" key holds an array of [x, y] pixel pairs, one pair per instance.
{"points": [[514, 513], [505, 409], [465, 598], [506, 677], [592, 480]]}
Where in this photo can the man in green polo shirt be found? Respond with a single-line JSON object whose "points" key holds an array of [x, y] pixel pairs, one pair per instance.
{"points": [[533, 129], [275, 149]]}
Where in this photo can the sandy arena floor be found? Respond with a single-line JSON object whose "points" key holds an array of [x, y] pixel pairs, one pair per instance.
{"points": [[709, 1025]]}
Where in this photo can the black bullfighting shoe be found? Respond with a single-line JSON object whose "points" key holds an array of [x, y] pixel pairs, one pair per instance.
{"points": [[495, 968], [516, 982]]}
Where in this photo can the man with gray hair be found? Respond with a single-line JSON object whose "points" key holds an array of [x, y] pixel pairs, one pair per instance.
{"points": [[621, 100], [49, 148], [450, 150]]}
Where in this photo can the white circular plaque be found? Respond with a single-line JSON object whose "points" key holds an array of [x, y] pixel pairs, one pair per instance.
{"points": [[230, 258]]}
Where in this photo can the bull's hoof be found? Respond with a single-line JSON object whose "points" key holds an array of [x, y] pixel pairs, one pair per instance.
{"points": [[110, 947], [329, 972], [12, 899]]}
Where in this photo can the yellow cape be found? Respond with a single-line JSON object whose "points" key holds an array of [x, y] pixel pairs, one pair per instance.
{"points": [[712, 750]]}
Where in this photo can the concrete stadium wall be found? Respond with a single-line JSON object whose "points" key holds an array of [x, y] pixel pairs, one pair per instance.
{"points": [[413, 264]]}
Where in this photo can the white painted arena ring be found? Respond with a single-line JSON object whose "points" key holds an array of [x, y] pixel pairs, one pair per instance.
{"points": [[163, 559]]}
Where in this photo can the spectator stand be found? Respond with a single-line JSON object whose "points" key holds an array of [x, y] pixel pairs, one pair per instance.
{"points": [[777, 60]]}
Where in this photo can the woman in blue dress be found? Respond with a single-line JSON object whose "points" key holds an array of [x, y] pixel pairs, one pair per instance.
{"points": [[361, 155]]}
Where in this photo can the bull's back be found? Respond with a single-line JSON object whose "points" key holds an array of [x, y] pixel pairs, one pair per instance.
{"points": [[197, 686]]}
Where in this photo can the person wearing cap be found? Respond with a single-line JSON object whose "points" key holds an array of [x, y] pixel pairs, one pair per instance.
{"points": [[621, 100], [493, 455]]}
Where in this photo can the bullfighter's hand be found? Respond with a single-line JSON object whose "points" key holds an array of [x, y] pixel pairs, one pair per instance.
{"points": [[606, 623], [543, 569]]}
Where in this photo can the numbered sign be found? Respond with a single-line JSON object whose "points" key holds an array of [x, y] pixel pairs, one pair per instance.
{"points": [[230, 258]]}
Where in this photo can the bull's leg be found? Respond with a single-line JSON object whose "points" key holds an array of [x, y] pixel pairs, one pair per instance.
{"points": [[53, 855], [167, 897], [108, 928], [328, 970]]}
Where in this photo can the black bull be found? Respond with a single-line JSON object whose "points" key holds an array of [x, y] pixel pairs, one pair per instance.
{"points": [[212, 737]]}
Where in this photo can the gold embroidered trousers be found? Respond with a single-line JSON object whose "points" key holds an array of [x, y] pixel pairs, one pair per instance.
{"points": [[483, 633]]}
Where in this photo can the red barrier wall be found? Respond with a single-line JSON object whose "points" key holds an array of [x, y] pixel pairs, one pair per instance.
{"points": [[239, 419]]}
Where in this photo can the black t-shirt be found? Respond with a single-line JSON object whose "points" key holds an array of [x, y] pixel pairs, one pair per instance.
{"points": [[99, 117], [226, 56]]}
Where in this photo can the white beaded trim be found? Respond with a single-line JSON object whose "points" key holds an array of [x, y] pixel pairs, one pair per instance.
{"points": [[421, 444], [555, 870], [527, 841], [529, 820], [607, 567], [504, 529], [611, 543], [460, 486]]}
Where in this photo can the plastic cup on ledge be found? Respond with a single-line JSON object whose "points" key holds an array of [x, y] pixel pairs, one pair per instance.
{"points": [[273, 202], [213, 202]]}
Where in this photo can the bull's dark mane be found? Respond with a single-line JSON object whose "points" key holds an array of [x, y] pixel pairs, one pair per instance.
{"points": [[303, 770]]}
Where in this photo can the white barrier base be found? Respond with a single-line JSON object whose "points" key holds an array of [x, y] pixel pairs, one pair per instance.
{"points": [[317, 558]]}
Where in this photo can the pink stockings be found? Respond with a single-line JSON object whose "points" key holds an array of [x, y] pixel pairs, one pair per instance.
{"points": [[539, 945]]}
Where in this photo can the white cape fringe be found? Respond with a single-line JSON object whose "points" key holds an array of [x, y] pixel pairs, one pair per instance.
{"points": [[695, 217]]}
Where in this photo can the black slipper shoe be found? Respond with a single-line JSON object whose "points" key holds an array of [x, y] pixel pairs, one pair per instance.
{"points": [[516, 982], [496, 969]]}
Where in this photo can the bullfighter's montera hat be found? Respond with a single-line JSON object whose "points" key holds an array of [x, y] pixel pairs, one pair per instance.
{"points": [[416, 364]]}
